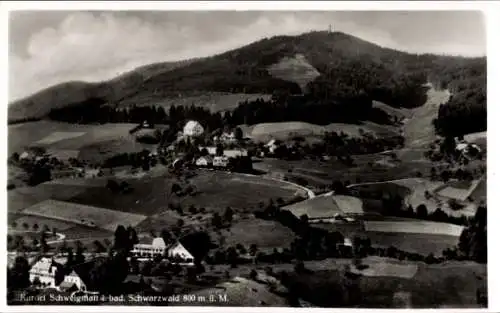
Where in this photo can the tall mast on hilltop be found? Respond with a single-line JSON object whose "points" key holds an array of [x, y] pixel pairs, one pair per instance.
{"points": [[330, 28]]}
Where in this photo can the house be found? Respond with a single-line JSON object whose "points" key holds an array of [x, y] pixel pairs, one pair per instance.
{"points": [[228, 137], [25, 155], [177, 253], [79, 278], [210, 150], [156, 248], [234, 153], [221, 161], [272, 145], [204, 161], [46, 271], [193, 129]]}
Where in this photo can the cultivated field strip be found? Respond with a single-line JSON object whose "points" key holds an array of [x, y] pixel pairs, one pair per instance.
{"points": [[58, 136], [415, 227], [349, 205], [84, 214], [388, 269], [317, 207]]}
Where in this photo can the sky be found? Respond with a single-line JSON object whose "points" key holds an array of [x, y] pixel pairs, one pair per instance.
{"points": [[50, 47]]}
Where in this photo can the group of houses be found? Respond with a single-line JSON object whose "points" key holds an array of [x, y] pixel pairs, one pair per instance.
{"points": [[47, 273], [212, 159]]}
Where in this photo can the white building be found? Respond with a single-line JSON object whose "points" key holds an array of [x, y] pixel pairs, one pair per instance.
{"points": [[230, 153], [221, 161], [156, 248], [179, 254], [176, 252], [73, 280], [193, 129], [45, 270], [204, 161], [228, 137], [272, 145], [233, 153]]}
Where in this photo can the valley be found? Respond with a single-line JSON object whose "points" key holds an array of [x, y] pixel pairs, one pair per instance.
{"points": [[303, 169]]}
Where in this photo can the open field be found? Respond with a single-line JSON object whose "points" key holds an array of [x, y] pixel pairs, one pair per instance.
{"points": [[242, 292], [31, 220], [452, 284], [413, 242], [93, 142], [479, 193], [265, 234], [458, 190], [326, 206], [82, 214], [414, 227], [478, 138], [58, 136], [388, 269], [21, 198], [295, 69], [149, 196], [286, 130], [217, 190], [315, 208], [214, 190], [418, 129]]}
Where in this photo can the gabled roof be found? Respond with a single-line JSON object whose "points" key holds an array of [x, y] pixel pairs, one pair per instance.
{"points": [[44, 265]]}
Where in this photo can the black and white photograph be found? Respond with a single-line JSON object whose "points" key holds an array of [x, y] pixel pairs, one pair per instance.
{"points": [[247, 158]]}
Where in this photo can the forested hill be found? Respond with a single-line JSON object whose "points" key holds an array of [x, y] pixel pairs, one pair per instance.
{"points": [[348, 69]]}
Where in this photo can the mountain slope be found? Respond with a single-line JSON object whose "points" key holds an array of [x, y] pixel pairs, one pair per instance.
{"points": [[334, 65]]}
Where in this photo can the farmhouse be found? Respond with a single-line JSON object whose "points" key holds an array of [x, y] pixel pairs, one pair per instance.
{"points": [[221, 161], [176, 252], [79, 277], [45, 271], [228, 137], [204, 161], [179, 254], [193, 129]]}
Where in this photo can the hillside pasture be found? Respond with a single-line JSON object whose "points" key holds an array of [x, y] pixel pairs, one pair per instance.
{"points": [[265, 234], [217, 190], [478, 138], [31, 220], [21, 198], [316, 208], [264, 132], [418, 129], [149, 195], [240, 292], [58, 136], [295, 69], [93, 142], [83, 214], [387, 269]]}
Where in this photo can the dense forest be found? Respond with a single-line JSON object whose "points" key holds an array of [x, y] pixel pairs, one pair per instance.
{"points": [[352, 72]]}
